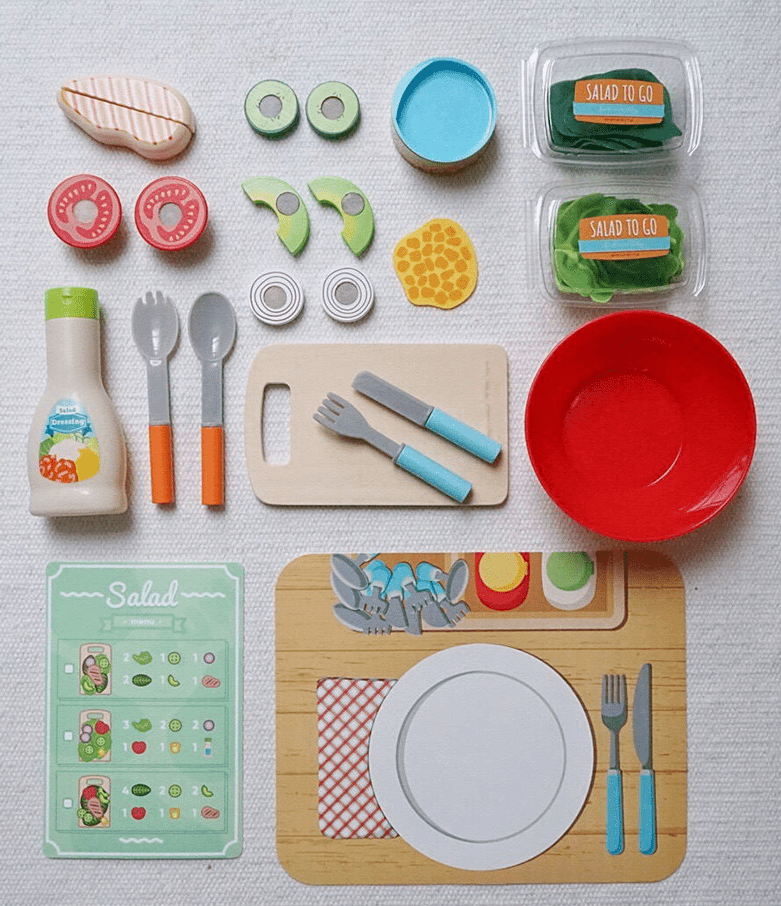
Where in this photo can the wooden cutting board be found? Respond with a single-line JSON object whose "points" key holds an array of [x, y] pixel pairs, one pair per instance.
{"points": [[467, 381], [312, 645]]}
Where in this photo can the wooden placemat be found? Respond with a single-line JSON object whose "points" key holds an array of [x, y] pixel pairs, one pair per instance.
{"points": [[311, 644]]}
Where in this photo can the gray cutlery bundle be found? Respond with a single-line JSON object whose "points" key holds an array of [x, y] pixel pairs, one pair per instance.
{"points": [[375, 599]]}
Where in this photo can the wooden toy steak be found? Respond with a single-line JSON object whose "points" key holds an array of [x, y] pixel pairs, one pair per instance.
{"points": [[146, 116]]}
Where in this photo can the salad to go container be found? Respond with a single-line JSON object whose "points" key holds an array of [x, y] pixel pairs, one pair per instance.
{"points": [[612, 102], [617, 244]]}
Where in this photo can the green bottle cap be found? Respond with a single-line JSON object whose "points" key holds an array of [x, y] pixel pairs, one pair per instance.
{"points": [[71, 302], [569, 570]]}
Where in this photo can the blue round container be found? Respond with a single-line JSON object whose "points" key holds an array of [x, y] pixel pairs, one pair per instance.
{"points": [[444, 114]]}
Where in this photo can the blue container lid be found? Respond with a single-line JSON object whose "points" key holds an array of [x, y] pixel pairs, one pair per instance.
{"points": [[444, 110]]}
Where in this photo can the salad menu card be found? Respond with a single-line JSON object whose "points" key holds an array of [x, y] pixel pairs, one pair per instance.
{"points": [[143, 716]]}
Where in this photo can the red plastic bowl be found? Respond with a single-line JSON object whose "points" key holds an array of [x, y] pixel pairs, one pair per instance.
{"points": [[640, 426]]}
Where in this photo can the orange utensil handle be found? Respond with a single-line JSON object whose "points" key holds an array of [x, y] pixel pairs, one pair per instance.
{"points": [[161, 462], [212, 481]]}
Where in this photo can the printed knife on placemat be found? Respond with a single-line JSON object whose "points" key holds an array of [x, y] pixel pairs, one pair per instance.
{"points": [[641, 729], [427, 416]]}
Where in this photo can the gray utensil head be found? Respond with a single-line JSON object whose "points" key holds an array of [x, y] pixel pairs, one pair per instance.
{"points": [[641, 711], [434, 616], [457, 580], [348, 595], [360, 621], [348, 571], [392, 397], [155, 325], [212, 327]]}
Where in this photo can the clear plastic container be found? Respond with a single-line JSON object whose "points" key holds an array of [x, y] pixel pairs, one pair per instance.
{"points": [[617, 244], [612, 102]]}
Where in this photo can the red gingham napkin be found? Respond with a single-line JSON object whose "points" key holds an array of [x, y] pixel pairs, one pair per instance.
{"points": [[345, 713]]}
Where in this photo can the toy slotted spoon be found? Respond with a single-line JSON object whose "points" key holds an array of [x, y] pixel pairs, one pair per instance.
{"points": [[155, 328]]}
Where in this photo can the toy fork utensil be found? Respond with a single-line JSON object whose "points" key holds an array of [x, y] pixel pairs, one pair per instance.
{"points": [[455, 611], [343, 418], [614, 708], [400, 613], [378, 575], [361, 621], [155, 328], [414, 597]]}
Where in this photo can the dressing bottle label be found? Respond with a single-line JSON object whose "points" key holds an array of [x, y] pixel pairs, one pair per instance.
{"points": [[69, 449], [621, 237], [622, 102]]}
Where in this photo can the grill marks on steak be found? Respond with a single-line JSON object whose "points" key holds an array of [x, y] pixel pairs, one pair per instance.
{"points": [[94, 807]]}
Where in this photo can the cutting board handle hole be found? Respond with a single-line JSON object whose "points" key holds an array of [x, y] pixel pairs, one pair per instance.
{"points": [[275, 428]]}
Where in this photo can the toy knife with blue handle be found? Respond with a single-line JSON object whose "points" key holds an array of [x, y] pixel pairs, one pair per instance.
{"points": [[641, 729], [427, 416]]}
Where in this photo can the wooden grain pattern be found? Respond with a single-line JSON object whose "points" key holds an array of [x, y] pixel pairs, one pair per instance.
{"points": [[468, 382], [311, 645]]}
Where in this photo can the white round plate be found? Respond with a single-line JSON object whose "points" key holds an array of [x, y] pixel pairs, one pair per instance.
{"points": [[481, 757]]}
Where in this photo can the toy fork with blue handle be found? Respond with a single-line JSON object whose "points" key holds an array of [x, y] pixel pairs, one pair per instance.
{"points": [[343, 418], [614, 712], [400, 613], [378, 576], [427, 416], [416, 594]]}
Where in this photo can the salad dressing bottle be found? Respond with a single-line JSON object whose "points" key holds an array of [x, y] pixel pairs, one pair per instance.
{"points": [[76, 457]]}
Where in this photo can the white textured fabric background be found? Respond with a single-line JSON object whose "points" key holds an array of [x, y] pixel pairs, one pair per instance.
{"points": [[213, 53]]}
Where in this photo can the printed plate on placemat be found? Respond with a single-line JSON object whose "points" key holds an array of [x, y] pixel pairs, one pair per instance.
{"points": [[481, 756]]}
